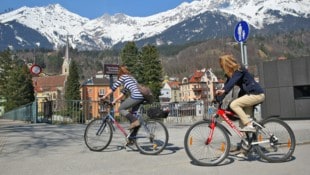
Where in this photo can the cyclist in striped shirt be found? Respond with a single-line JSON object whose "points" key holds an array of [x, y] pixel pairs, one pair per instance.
{"points": [[130, 85]]}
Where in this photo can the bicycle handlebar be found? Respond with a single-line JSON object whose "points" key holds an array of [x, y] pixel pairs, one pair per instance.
{"points": [[218, 100], [106, 102]]}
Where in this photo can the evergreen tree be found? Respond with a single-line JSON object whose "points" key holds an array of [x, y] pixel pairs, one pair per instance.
{"points": [[28, 88], [19, 89], [152, 69], [72, 89], [15, 82], [130, 58], [5, 67]]}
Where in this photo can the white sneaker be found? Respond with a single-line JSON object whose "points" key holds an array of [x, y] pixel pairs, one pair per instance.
{"points": [[248, 129], [241, 155]]}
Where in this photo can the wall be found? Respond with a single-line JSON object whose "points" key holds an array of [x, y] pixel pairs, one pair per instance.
{"points": [[287, 88]]}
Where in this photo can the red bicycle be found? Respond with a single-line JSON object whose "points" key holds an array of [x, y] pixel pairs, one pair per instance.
{"points": [[207, 142]]}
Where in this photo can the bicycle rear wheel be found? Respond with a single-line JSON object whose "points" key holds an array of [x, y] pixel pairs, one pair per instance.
{"points": [[98, 135], [201, 152], [152, 137], [280, 141]]}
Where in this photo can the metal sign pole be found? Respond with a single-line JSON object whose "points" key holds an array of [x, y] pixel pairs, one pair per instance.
{"points": [[111, 96], [242, 52], [245, 56], [241, 34], [111, 69]]}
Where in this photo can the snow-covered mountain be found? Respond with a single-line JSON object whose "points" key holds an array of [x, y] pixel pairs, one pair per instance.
{"points": [[53, 23]]}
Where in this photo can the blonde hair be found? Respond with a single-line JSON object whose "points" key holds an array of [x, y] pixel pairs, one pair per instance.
{"points": [[122, 70], [229, 64]]}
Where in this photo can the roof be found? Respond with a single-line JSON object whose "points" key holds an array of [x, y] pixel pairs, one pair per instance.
{"points": [[96, 81], [174, 84], [196, 77], [49, 83]]}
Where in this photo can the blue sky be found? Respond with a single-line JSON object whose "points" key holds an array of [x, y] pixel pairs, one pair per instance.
{"points": [[96, 8]]}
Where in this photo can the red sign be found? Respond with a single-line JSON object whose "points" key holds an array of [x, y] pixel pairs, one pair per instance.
{"points": [[35, 69]]}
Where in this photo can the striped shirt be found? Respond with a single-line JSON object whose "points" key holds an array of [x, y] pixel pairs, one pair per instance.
{"points": [[130, 85]]}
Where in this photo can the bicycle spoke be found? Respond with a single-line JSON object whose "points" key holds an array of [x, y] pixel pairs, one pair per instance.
{"points": [[152, 138], [204, 153], [276, 141], [98, 135]]}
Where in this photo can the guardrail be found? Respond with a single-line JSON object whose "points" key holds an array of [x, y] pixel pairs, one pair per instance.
{"points": [[82, 111], [24, 113]]}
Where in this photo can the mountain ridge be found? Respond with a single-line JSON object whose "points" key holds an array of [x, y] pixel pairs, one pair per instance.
{"points": [[55, 23]]}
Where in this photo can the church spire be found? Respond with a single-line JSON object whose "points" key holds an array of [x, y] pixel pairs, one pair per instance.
{"points": [[67, 60]]}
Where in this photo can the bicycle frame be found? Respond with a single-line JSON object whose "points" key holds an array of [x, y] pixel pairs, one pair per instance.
{"points": [[223, 113], [110, 118], [150, 138], [220, 112]]}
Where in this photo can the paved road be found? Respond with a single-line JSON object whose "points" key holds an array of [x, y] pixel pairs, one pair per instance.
{"points": [[33, 149]]}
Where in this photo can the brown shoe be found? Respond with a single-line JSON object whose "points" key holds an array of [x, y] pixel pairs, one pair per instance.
{"points": [[134, 124]]}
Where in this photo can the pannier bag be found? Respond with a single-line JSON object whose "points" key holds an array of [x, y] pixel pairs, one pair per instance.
{"points": [[156, 112]]}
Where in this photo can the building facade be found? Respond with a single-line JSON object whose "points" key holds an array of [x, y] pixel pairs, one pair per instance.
{"points": [[287, 88], [90, 90]]}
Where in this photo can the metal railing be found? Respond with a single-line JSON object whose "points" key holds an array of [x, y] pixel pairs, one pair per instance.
{"points": [[25, 113], [82, 111]]}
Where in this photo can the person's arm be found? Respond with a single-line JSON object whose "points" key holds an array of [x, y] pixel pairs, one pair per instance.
{"points": [[117, 84], [237, 75], [220, 92], [118, 98], [110, 91]]}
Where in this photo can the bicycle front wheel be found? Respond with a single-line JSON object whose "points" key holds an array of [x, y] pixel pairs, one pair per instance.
{"points": [[152, 137], [98, 135], [205, 148], [276, 141]]}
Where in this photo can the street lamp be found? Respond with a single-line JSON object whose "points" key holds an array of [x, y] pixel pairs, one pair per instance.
{"points": [[38, 45]]}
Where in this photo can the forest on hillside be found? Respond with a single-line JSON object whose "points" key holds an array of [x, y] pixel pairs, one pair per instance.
{"points": [[182, 60]]}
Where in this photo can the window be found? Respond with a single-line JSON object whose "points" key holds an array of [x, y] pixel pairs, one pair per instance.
{"points": [[101, 91], [302, 92]]}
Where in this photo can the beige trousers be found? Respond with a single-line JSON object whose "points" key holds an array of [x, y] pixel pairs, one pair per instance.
{"points": [[243, 106]]}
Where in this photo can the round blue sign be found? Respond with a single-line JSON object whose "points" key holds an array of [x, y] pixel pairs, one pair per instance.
{"points": [[242, 31]]}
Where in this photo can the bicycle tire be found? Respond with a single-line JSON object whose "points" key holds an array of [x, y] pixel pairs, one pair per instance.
{"points": [[98, 142], [280, 150], [152, 137], [206, 154]]}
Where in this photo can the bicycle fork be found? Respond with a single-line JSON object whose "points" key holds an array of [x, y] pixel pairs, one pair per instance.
{"points": [[210, 136]]}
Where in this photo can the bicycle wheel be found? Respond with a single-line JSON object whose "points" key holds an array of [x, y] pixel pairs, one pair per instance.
{"points": [[152, 137], [98, 135], [280, 141], [202, 153]]}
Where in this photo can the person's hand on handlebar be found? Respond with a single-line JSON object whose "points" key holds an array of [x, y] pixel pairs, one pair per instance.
{"points": [[220, 92], [113, 103], [118, 98], [219, 95]]}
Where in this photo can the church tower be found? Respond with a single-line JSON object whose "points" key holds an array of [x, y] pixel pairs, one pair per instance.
{"points": [[67, 60]]}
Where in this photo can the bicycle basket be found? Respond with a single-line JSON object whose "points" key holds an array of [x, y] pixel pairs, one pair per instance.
{"points": [[157, 113]]}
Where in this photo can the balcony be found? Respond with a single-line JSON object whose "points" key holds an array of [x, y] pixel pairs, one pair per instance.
{"points": [[199, 89]]}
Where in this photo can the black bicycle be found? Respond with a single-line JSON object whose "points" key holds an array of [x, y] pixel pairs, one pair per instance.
{"points": [[150, 138]]}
